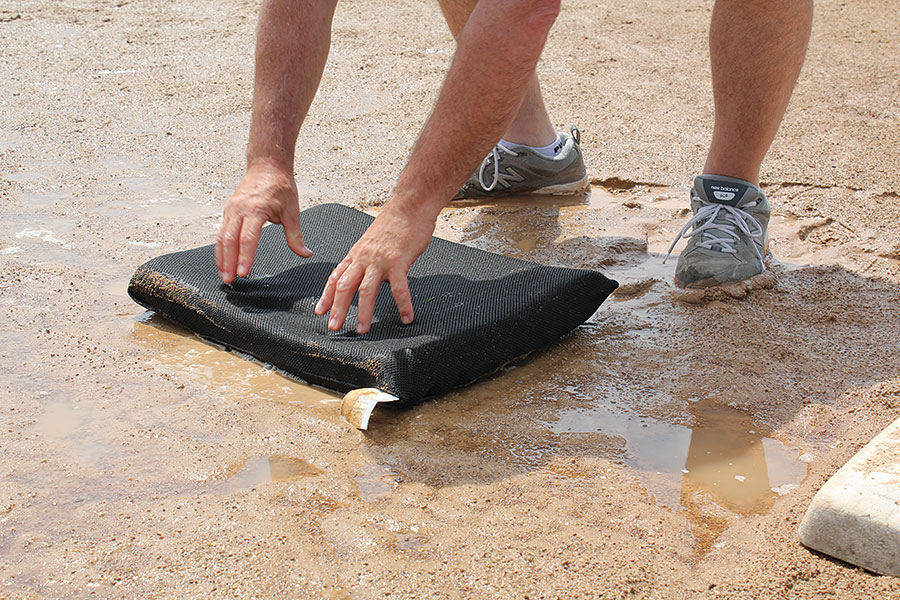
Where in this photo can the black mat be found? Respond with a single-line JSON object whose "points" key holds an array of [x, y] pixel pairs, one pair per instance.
{"points": [[474, 311]]}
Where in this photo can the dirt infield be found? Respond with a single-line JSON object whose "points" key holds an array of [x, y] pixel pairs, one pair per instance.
{"points": [[667, 449]]}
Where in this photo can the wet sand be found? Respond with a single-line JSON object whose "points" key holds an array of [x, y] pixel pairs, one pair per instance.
{"points": [[666, 449]]}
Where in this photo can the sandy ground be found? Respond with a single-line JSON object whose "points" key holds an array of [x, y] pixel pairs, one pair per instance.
{"points": [[666, 449]]}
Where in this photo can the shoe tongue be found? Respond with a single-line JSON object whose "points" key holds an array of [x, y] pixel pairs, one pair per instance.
{"points": [[725, 191]]}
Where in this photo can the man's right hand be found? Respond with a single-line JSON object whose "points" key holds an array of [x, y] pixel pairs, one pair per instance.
{"points": [[266, 193]]}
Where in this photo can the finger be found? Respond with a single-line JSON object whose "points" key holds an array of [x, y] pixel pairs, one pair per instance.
{"points": [[400, 291], [343, 296], [227, 248], [249, 239], [291, 223], [220, 254], [327, 299], [368, 293]]}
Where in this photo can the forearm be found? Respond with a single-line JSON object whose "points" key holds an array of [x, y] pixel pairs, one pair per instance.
{"points": [[478, 100], [292, 44]]}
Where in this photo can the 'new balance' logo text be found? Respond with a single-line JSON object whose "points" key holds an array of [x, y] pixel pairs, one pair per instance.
{"points": [[724, 193]]}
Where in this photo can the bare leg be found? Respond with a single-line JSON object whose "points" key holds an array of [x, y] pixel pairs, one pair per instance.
{"points": [[531, 126], [756, 49]]}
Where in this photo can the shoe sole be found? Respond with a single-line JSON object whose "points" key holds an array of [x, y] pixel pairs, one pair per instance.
{"points": [[575, 187], [579, 186]]}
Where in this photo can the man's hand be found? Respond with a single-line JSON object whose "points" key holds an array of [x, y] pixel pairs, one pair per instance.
{"points": [[385, 252], [475, 106], [266, 193]]}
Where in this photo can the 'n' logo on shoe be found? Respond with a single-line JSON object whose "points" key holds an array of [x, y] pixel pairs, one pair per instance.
{"points": [[510, 175]]}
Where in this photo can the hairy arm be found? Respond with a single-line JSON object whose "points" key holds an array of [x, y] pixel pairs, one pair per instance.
{"points": [[477, 102], [292, 44]]}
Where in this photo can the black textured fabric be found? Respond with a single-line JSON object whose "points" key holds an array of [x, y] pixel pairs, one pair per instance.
{"points": [[475, 310]]}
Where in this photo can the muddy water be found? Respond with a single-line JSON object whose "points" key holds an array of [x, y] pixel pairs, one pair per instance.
{"points": [[705, 458], [633, 401], [720, 465], [260, 470], [141, 466], [711, 465], [690, 435], [220, 372]]}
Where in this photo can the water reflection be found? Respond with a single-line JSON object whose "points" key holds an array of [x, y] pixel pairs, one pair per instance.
{"points": [[260, 470], [376, 481], [69, 428], [720, 465], [227, 374], [727, 470]]}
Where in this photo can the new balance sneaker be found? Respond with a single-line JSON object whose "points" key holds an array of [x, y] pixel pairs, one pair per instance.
{"points": [[518, 169], [728, 238]]}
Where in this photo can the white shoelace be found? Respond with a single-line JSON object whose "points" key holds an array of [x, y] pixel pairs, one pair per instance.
{"points": [[495, 155], [721, 233]]}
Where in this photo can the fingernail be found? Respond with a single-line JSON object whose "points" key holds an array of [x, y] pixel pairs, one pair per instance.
{"points": [[332, 324], [318, 307], [406, 319], [222, 275], [359, 329]]}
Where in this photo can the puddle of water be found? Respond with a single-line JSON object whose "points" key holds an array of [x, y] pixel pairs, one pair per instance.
{"points": [[57, 34], [575, 201], [122, 163], [34, 170], [410, 542], [151, 198], [40, 239], [146, 196], [596, 197], [10, 140], [45, 199], [376, 482], [21, 176], [68, 427], [525, 223], [526, 244], [510, 231], [227, 374], [158, 209], [720, 465], [119, 288], [261, 470], [488, 235], [707, 461]]}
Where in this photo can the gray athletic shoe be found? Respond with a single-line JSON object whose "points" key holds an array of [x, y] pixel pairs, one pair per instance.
{"points": [[728, 233], [521, 170]]}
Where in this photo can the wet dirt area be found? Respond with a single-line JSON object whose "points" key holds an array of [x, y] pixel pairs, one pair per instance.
{"points": [[666, 449], [635, 429]]}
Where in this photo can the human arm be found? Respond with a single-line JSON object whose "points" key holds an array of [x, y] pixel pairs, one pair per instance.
{"points": [[292, 44], [477, 102]]}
